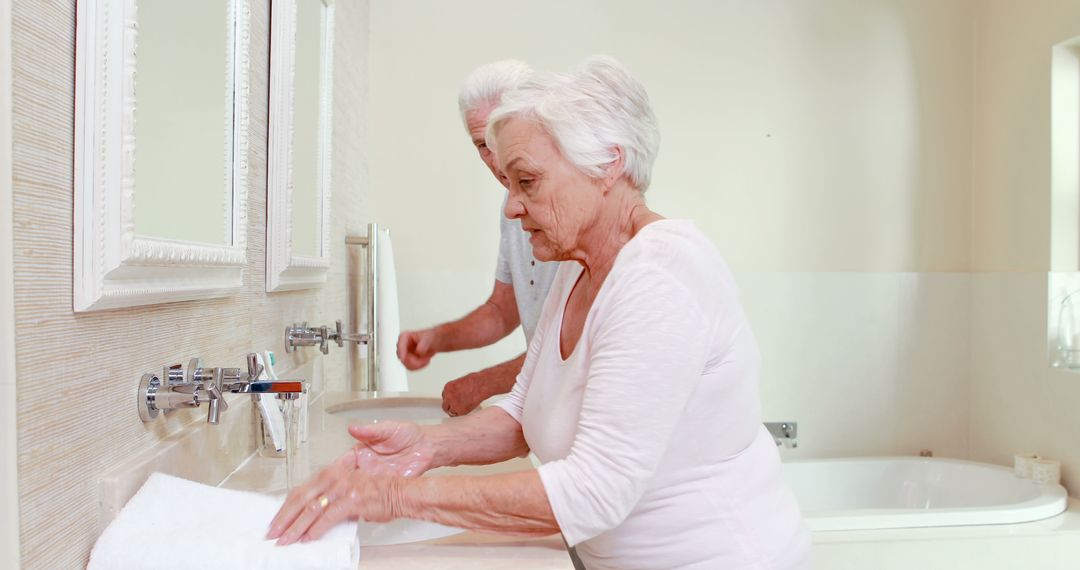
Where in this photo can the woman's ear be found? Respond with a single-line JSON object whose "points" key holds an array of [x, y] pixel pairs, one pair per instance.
{"points": [[614, 169]]}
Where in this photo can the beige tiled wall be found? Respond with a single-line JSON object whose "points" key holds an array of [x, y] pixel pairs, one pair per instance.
{"points": [[9, 511], [77, 374]]}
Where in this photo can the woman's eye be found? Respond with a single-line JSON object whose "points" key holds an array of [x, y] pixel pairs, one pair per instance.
{"points": [[525, 183]]}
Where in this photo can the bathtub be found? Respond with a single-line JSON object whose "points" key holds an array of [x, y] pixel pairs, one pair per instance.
{"points": [[912, 492]]}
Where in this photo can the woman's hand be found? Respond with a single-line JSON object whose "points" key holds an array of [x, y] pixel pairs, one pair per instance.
{"points": [[338, 493], [415, 348], [390, 448], [358, 485]]}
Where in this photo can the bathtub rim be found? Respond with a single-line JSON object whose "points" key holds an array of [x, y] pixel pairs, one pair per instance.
{"points": [[1052, 501]]}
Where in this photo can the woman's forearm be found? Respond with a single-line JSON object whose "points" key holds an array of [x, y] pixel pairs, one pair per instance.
{"points": [[481, 438], [511, 503]]}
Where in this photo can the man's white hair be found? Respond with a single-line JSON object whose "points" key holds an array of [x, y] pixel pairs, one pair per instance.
{"points": [[589, 112], [484, 87]]}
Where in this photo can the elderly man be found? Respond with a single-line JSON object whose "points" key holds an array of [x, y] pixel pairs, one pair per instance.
{"points": [[521, 282]]}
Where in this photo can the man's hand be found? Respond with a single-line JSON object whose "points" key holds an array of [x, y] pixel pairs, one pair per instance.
{"points": [[463, 395], [415, 348]]}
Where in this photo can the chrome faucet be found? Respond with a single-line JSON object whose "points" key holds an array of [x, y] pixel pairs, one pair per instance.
{"points": [[300, 334], [178, 387], [784, 433]]}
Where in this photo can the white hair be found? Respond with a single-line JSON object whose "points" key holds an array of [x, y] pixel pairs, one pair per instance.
{"points": [[589, 112], [484, 87]]}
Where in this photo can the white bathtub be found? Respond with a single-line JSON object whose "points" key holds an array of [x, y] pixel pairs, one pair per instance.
{"points": [[910, 492]]}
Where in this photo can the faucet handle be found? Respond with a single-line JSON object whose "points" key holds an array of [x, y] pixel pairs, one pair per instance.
{"points": [[338, 335], [324, 334], [193, 371], [254, 369], [217, 402]]}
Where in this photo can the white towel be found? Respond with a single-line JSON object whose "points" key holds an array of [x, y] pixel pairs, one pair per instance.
{"points": [[392, 376], [177, 524]]}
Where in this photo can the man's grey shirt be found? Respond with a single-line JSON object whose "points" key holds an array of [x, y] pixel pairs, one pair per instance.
{"points": [[530, 278]]}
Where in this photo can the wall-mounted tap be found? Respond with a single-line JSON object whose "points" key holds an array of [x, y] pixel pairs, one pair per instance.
{"points": [[784, 433], [178, 387], [300, 334]]}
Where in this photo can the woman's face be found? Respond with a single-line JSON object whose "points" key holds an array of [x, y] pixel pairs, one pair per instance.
{"points": [[554, 201]]}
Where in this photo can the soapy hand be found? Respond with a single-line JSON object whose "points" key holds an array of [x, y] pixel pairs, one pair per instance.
{"points": [[415, 348], [359, 485], [339, 492], [390, 448]]}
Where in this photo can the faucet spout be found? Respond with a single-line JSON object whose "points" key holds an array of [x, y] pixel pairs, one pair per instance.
{"points": [[285, 389]]}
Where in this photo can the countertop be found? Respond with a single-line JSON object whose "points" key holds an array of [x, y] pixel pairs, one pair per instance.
{"points": [[328, 438]]}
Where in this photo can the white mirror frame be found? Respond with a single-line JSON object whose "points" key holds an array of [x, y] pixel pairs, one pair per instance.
{"points": [[113, 266], [285, 270]]}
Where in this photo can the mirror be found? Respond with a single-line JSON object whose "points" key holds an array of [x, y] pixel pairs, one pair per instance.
{"points": [[298, 194], [183, 121], [160, 151]]}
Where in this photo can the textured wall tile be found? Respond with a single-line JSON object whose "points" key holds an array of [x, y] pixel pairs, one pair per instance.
{"points": [[77, 374]]}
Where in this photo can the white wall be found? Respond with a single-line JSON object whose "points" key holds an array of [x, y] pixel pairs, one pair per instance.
{"points": [[789, 128], [1019, 403], [824, 146], [866, 363]]}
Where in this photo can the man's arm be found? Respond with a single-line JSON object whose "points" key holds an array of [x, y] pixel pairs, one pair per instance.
{"points": [[486, 324], [463, 395]]}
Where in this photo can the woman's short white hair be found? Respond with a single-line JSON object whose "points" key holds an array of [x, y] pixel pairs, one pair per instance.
{"points": [[589, 112], [484, 87]]}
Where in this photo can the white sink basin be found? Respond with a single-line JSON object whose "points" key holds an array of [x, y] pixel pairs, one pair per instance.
{"points": [[401, 531], [422, 410]]}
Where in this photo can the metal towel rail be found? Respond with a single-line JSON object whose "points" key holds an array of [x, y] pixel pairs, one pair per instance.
{"points": [[371, 337]]}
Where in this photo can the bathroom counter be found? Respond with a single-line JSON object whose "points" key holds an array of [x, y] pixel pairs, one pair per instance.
{"points": [[328, 438]]}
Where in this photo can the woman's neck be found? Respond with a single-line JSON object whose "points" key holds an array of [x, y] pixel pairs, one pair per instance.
{"points": [[621, 219]]}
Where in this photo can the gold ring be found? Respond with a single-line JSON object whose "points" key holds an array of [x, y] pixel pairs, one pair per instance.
{"points": [[323, 501]]}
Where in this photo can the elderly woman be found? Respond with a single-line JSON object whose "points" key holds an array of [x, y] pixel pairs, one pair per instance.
{"points": [[639, 390]]}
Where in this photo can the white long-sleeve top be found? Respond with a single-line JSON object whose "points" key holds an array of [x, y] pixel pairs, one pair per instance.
{"points": [[653, 451]]}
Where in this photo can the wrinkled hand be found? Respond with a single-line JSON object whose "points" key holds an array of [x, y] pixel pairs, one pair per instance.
{"points": [[336, 494], [415, 348], [390, 448], [359, 485], [463, 395]]}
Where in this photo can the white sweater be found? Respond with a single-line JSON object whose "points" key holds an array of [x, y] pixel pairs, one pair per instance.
{"points": [[653, 451]]}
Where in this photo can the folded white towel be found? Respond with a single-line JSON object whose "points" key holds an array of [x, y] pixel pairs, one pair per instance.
{"points": [[392, 375], [173, 523]]}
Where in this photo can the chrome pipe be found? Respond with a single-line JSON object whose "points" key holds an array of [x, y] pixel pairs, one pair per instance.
{"points": [[372, 381], [370, 243]]}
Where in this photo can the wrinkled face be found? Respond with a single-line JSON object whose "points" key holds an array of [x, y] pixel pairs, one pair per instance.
{"points": [[554, 201], [476, 121]]}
